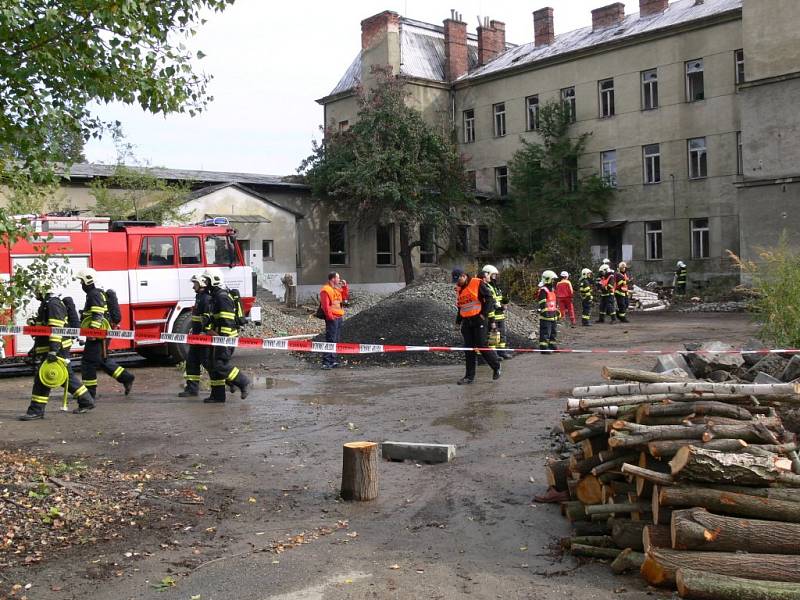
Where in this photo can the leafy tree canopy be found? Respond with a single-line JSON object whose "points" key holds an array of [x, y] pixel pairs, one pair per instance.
{"points": [[390, 166], [549, 199]]}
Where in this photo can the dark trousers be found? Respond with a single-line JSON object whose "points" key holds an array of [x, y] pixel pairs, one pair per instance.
{"points": [[41, 393], [547, 334], [680, 289], [196, 357], [501, 327], [475, 334], [586, 310], [622, 306], [333, 332], [92, 358], [607, 308], [221, 372]]}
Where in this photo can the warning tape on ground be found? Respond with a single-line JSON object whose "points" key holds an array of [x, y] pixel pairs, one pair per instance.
{"points": [[303, 344]]}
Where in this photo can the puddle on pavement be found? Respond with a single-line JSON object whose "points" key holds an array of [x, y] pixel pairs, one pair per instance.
{"points": [[261, 382], [476, 417]]}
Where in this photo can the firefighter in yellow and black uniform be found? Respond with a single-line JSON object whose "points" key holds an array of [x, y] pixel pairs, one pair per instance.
{"points": [[53, 313], [197, 355], [223, 323], [497, 316], [95, 316]]}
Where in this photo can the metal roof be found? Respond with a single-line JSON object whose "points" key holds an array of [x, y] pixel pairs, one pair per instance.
{"points": [[199, 193], [678, 13], [243, 219], [93, 170]]}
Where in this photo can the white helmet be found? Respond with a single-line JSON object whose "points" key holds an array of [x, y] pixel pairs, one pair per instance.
{"points": [[548, 276], [490, 269], [623, 265], [586, 272], [606, 261], [87, 276], [198, 278], [214, 277], [604, 268], [564, 274], [681, 263]]}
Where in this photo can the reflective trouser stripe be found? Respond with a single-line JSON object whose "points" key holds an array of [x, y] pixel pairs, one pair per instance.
{"points": [[586, 317], [90, 382], [228, 331], [191, 377], [217, 382], [39, 399], [117, 372], [80, 391], [233, 374]]}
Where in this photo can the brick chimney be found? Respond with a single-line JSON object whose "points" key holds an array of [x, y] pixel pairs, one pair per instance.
{"points": [[608, 16], [491, 41], [377, 26], [543, 28], [455, 48], [648, 8]]}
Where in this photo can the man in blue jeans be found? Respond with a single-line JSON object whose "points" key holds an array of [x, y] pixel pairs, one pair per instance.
{"points": [[332, 298]]}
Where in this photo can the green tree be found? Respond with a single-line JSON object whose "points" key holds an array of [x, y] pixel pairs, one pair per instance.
{"points": [[390, 167], [548, 198], [58, 57]]}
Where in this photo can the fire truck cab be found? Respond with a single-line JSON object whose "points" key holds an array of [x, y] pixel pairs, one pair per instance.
{"points": [[148, 266]]}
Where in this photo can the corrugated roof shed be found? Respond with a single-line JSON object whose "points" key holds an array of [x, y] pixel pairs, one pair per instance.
{"points": [[678, 13]]}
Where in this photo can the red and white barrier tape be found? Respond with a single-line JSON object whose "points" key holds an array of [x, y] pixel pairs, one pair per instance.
{"points": [[293, 344]]}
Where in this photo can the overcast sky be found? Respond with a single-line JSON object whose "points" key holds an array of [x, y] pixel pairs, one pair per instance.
{"points": [[272, 60]]}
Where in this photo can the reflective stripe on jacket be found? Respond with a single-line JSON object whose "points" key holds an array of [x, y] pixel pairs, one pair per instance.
{"points": [[468, 302], [585, 288], [548, 304], [621, 284]]}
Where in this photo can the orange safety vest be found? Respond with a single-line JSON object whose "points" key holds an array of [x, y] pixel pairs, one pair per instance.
{"points": [[550, 303], [622, 284], [336, 300], [604, 286], [468, 302]]}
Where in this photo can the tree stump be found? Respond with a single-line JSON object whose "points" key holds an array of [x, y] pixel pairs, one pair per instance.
{"points": [[359, 471]]}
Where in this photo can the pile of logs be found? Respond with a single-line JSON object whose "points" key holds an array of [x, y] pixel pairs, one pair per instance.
{"points": [[646, 300], [695, 484]]}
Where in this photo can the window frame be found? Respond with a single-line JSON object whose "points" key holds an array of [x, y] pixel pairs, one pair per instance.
{"points": [[703, 232], [199, 250], [739, 154], [268, 256], [700, 162], [344, 125], [383, 253], [738, 66], [611, 181], [501, 181], [345, 239], [691, 83], [606, 98], [484, 247], [462, 238], [145, 247], [569, 101], [654, 240], [433, 250], [532, 113], [652, 85], [499, 119], [468, 121], [656, 160], [231, 248]]}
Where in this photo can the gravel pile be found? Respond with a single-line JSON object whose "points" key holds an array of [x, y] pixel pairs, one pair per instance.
{"points": [[276, 323], [733, 306], [421, 314]]}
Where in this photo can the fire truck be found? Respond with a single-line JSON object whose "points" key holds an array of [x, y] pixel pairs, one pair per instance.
{"points": [[148, 266]]}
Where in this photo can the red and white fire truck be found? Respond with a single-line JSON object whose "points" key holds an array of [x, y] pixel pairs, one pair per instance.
{"points": [[148, 266]]}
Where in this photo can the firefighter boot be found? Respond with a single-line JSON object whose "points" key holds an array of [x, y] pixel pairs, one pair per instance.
{"points": [[35, 411], [191, 390], [217, 392], [126, 378], [85, 404]]}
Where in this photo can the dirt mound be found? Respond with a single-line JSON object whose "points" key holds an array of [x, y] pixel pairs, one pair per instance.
{"points": [[422, 314]]}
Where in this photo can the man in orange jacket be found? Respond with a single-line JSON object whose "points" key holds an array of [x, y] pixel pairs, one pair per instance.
{"points": [[564, 294], [475, 301], [332, 298]]}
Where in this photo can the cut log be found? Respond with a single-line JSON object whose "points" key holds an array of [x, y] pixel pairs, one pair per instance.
{"points": [[556, 472], [587, 432], [574, 510], [584, 466], [698, 529], [667, 448], [643, 420], [729, 503], [572, 488], [647, 475], [660, 565], [627, 533], [593, 445], [698, 464], [700, 407], [587, 528], [639, 434], [638, 375], [589, 490], [614, 509], [615, 464], [787, 391], [788, 494], [627, 560], [598, 541], [656, 536], [360, 471], [701, 585], [573, 423], [594, 552]]}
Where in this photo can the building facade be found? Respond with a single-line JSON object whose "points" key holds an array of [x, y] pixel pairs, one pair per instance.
{"points": [[679, 100]]}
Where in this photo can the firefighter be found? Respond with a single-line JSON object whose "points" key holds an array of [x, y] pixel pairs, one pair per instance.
{"points": [[475, 301], [497, 317], [53, 313], [548, 312], [564, 295], [605, 284], [95, 352], [585, 289], [681, 275], [622, 283], [201, 321], [223, 323]]}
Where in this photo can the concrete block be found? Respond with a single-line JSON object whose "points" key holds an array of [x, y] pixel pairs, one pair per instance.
{"points": [[428, 453], [667, 362], [762, 377], [792, 370], [713, 356]]}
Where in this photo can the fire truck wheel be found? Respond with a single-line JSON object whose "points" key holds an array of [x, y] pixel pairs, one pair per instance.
{"points": [[178, 352]]}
